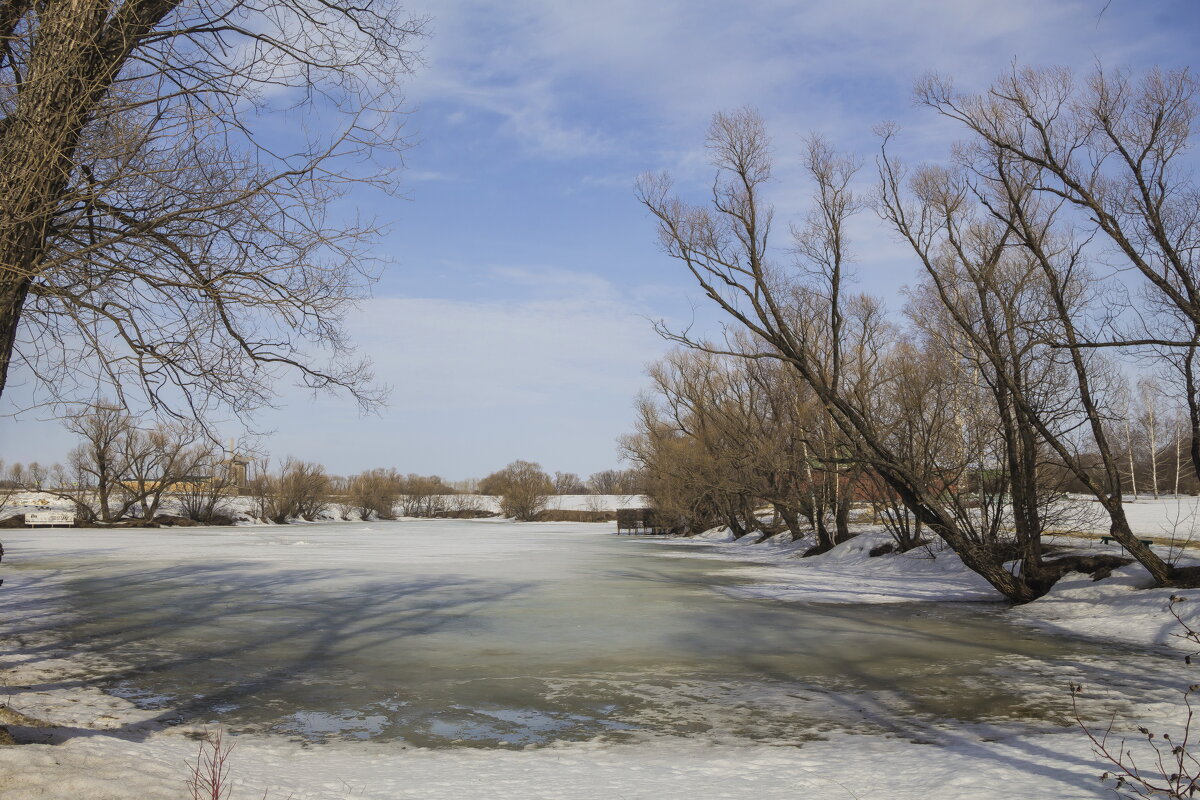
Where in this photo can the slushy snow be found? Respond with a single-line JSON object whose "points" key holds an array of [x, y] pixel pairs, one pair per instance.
{"points": [[969, 761]]}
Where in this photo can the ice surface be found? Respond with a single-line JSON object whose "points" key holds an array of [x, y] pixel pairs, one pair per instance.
{"points": [[652, 668]]}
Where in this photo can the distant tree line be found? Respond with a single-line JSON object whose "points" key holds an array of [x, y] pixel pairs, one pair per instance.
{"points": [[127, 470], [1049, 344], [124, 470]]}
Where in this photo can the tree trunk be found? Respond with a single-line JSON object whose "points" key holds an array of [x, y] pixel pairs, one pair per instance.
{"points": [[841, 521], [791, 519], [12, 300], [735, 525]]}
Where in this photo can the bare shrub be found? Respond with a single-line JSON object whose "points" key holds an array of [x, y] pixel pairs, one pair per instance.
{"points": [[523, 488], [1165, 765], [299, 491], [209, 778], [202, 499], [373, 494], [568, 483], [423, 495], [463, 504], [616, 481]]}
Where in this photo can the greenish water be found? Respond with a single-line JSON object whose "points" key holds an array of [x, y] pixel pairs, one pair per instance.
{"points": [[452, 634]]}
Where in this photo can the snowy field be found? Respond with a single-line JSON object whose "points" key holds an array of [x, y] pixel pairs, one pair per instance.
{"points": [[25, 502], [620, 599]]}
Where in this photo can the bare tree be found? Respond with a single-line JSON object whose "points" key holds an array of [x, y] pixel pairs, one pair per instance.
{"points": [[568, 483], [793, 318], [1006, 188], [707, 401], [201, 495], [12, 480], [1109, 154], [121, 470], [1151, 423], [615, 481], [151, 234], [754, 435], [1123, 411], [374, 494], [523, 488], [299, 490], [675, 469], [423, 495], [160, 460], [98, 465]]}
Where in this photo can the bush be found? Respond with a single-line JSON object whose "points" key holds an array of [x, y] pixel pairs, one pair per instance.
{"points": [[423, 495], [374, 493], [523, 488], [300, 490]]}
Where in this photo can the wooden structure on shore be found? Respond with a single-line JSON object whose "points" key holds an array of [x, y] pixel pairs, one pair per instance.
{"points": [[639, 522]]}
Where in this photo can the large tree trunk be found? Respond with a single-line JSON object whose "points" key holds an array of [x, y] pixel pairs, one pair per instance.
{"points": [[79, 49], [12, 299]]}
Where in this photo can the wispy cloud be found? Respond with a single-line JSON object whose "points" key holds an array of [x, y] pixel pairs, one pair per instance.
{"points": [[430, 176], [664, 67], [573, 334]]}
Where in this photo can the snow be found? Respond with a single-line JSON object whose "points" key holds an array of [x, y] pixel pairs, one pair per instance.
{"points": [[847, 574], [958, 766], [1169, 516], [1121, 607], [595, 502], [25, 502], [108, 748], [1076, 605]]}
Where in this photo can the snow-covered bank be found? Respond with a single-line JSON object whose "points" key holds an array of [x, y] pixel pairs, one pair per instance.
{"points": [[1121, 607], [847, 574]]}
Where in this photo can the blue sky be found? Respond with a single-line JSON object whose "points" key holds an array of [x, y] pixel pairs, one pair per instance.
{"points": [[512, 321]]}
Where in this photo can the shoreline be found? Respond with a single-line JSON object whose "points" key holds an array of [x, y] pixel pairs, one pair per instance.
{"points": [[1076, 605], [94, 761]]}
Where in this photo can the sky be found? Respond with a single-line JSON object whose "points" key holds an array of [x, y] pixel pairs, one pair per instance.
{"points": [[514, 318]]}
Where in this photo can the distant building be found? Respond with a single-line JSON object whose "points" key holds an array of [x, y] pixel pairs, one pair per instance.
{"points": [[238, 473]]}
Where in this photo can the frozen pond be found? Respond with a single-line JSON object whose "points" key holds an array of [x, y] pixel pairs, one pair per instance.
{"points": [[445, 633]]}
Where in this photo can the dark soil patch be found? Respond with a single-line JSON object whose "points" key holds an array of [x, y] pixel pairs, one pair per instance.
{"points": [[1185, 578], [1098, 566], [818, 549], [557, 515], [464, 513], [170, 520], [129, 523]]}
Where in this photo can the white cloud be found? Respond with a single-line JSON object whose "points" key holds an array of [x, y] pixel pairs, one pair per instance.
{"points": [[429, 176], [574, 336]]}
